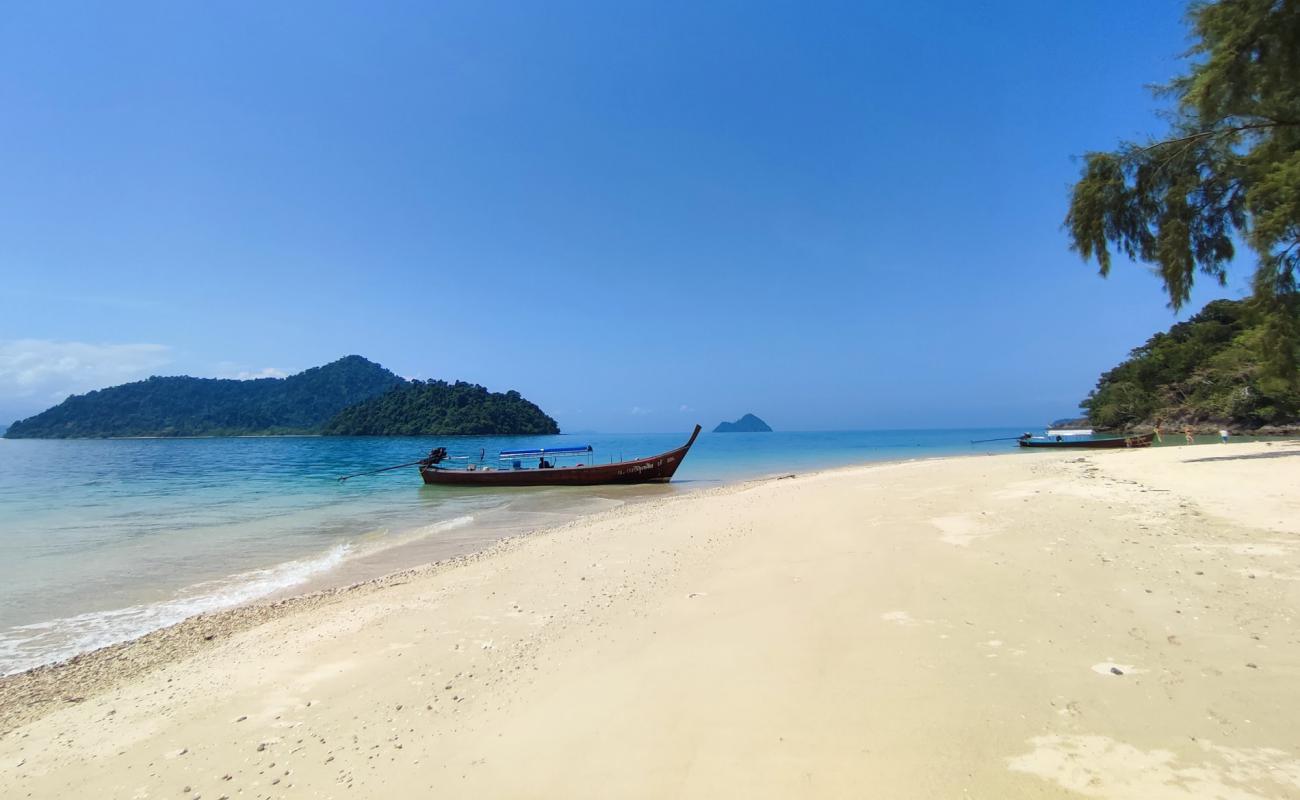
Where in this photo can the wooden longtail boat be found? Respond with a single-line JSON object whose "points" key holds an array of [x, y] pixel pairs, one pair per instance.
{"points": [[1081, 443], [655, 469]]}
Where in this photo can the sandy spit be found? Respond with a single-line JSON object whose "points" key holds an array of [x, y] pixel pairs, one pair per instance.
{"points": [[1030, 625]]}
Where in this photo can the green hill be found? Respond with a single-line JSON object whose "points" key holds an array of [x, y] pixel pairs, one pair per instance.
{"points": [[184, 406], [441, 408], [351, 396], [1208, 372]]}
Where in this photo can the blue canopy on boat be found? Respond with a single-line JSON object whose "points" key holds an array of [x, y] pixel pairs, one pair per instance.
{"points": [[545, 451]]}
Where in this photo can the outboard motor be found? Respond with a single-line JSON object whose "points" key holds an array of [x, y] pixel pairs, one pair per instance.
{"points": [[436, 456]]}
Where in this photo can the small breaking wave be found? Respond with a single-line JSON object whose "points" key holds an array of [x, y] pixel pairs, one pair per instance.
{"points": [[424, 531], [25, 646]]}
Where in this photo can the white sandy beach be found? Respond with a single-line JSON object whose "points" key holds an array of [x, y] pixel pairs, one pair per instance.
{"points": [[1113, 624]]}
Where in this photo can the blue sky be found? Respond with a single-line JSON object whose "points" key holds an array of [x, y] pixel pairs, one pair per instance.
{"points": [[640, 215]]}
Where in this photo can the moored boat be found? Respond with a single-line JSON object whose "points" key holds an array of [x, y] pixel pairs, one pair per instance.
{"points": [[653, 469], [1088, 442]]}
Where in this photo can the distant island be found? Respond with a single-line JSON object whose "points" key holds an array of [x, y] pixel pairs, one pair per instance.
{"points": [[1209, 372], [746, 424], [334, 398]]}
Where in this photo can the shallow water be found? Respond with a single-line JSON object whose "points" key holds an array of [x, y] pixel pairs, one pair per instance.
{"points": [[105, 540]]}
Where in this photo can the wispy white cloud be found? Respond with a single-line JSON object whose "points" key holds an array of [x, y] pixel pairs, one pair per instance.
{"points": [[47, 370], [241, 372], [684, 408], [264, 372], [638, 411]]}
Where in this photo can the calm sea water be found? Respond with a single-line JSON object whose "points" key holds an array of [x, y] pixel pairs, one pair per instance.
{"points": [[103, 541]]}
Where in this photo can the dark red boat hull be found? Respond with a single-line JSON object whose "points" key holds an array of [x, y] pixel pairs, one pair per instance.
{"points": [[655, 469], [1118, 442]]}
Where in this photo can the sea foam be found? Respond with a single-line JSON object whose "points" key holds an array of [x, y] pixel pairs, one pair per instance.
{"points": [[25, 646]]}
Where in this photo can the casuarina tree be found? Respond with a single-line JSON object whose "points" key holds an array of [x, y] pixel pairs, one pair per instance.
{"points": [[1226, 171]]}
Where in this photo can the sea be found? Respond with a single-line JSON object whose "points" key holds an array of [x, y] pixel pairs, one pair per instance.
{"points": [[102, 541]]}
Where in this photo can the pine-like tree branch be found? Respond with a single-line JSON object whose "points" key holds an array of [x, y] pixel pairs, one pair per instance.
{"points": [[1210, 134]]}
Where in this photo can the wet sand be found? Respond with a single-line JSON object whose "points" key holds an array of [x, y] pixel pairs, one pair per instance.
{"points": [[1114, 624]]}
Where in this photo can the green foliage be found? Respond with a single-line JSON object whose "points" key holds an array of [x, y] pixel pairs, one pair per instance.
{"points": [[183, 406], [440, 408], [1210, 369], [1229, 167], [351, 396]]}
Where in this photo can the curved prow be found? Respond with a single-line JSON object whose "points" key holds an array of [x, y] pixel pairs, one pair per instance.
{"points": [[666, 465]]}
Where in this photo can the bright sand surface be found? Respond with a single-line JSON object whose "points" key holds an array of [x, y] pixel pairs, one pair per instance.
{"points": [[1108, 624]]}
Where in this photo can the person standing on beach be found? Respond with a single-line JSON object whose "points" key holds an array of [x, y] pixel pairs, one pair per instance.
{"points": [[1223, 435], [1159, 438], [1187, 431]]}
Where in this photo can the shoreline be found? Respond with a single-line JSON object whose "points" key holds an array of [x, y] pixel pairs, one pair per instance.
{"points": [[334, 580], [1008, 625], [27, 694], [318, 588]]}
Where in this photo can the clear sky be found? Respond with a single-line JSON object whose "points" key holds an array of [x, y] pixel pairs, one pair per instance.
{"points": [[640, 215]]}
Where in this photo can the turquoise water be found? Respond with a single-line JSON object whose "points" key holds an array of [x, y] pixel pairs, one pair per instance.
{"points": [[103, 541]]}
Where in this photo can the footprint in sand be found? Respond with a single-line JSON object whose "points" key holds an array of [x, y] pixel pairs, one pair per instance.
{"points": [[960, 529]]}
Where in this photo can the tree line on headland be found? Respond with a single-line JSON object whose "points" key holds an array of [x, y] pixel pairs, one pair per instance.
{"points": [[1211, 371], [351, 396]]}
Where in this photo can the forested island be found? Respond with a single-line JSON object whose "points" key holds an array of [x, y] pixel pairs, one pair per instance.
{"points": [[332, 398], [1216, 370], [441, 408]]}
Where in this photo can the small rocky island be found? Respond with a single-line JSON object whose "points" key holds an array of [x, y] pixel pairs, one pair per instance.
{"points": [[746, 424]]}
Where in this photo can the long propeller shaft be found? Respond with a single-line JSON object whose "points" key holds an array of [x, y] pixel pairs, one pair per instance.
{"points": [[383, 469]]}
